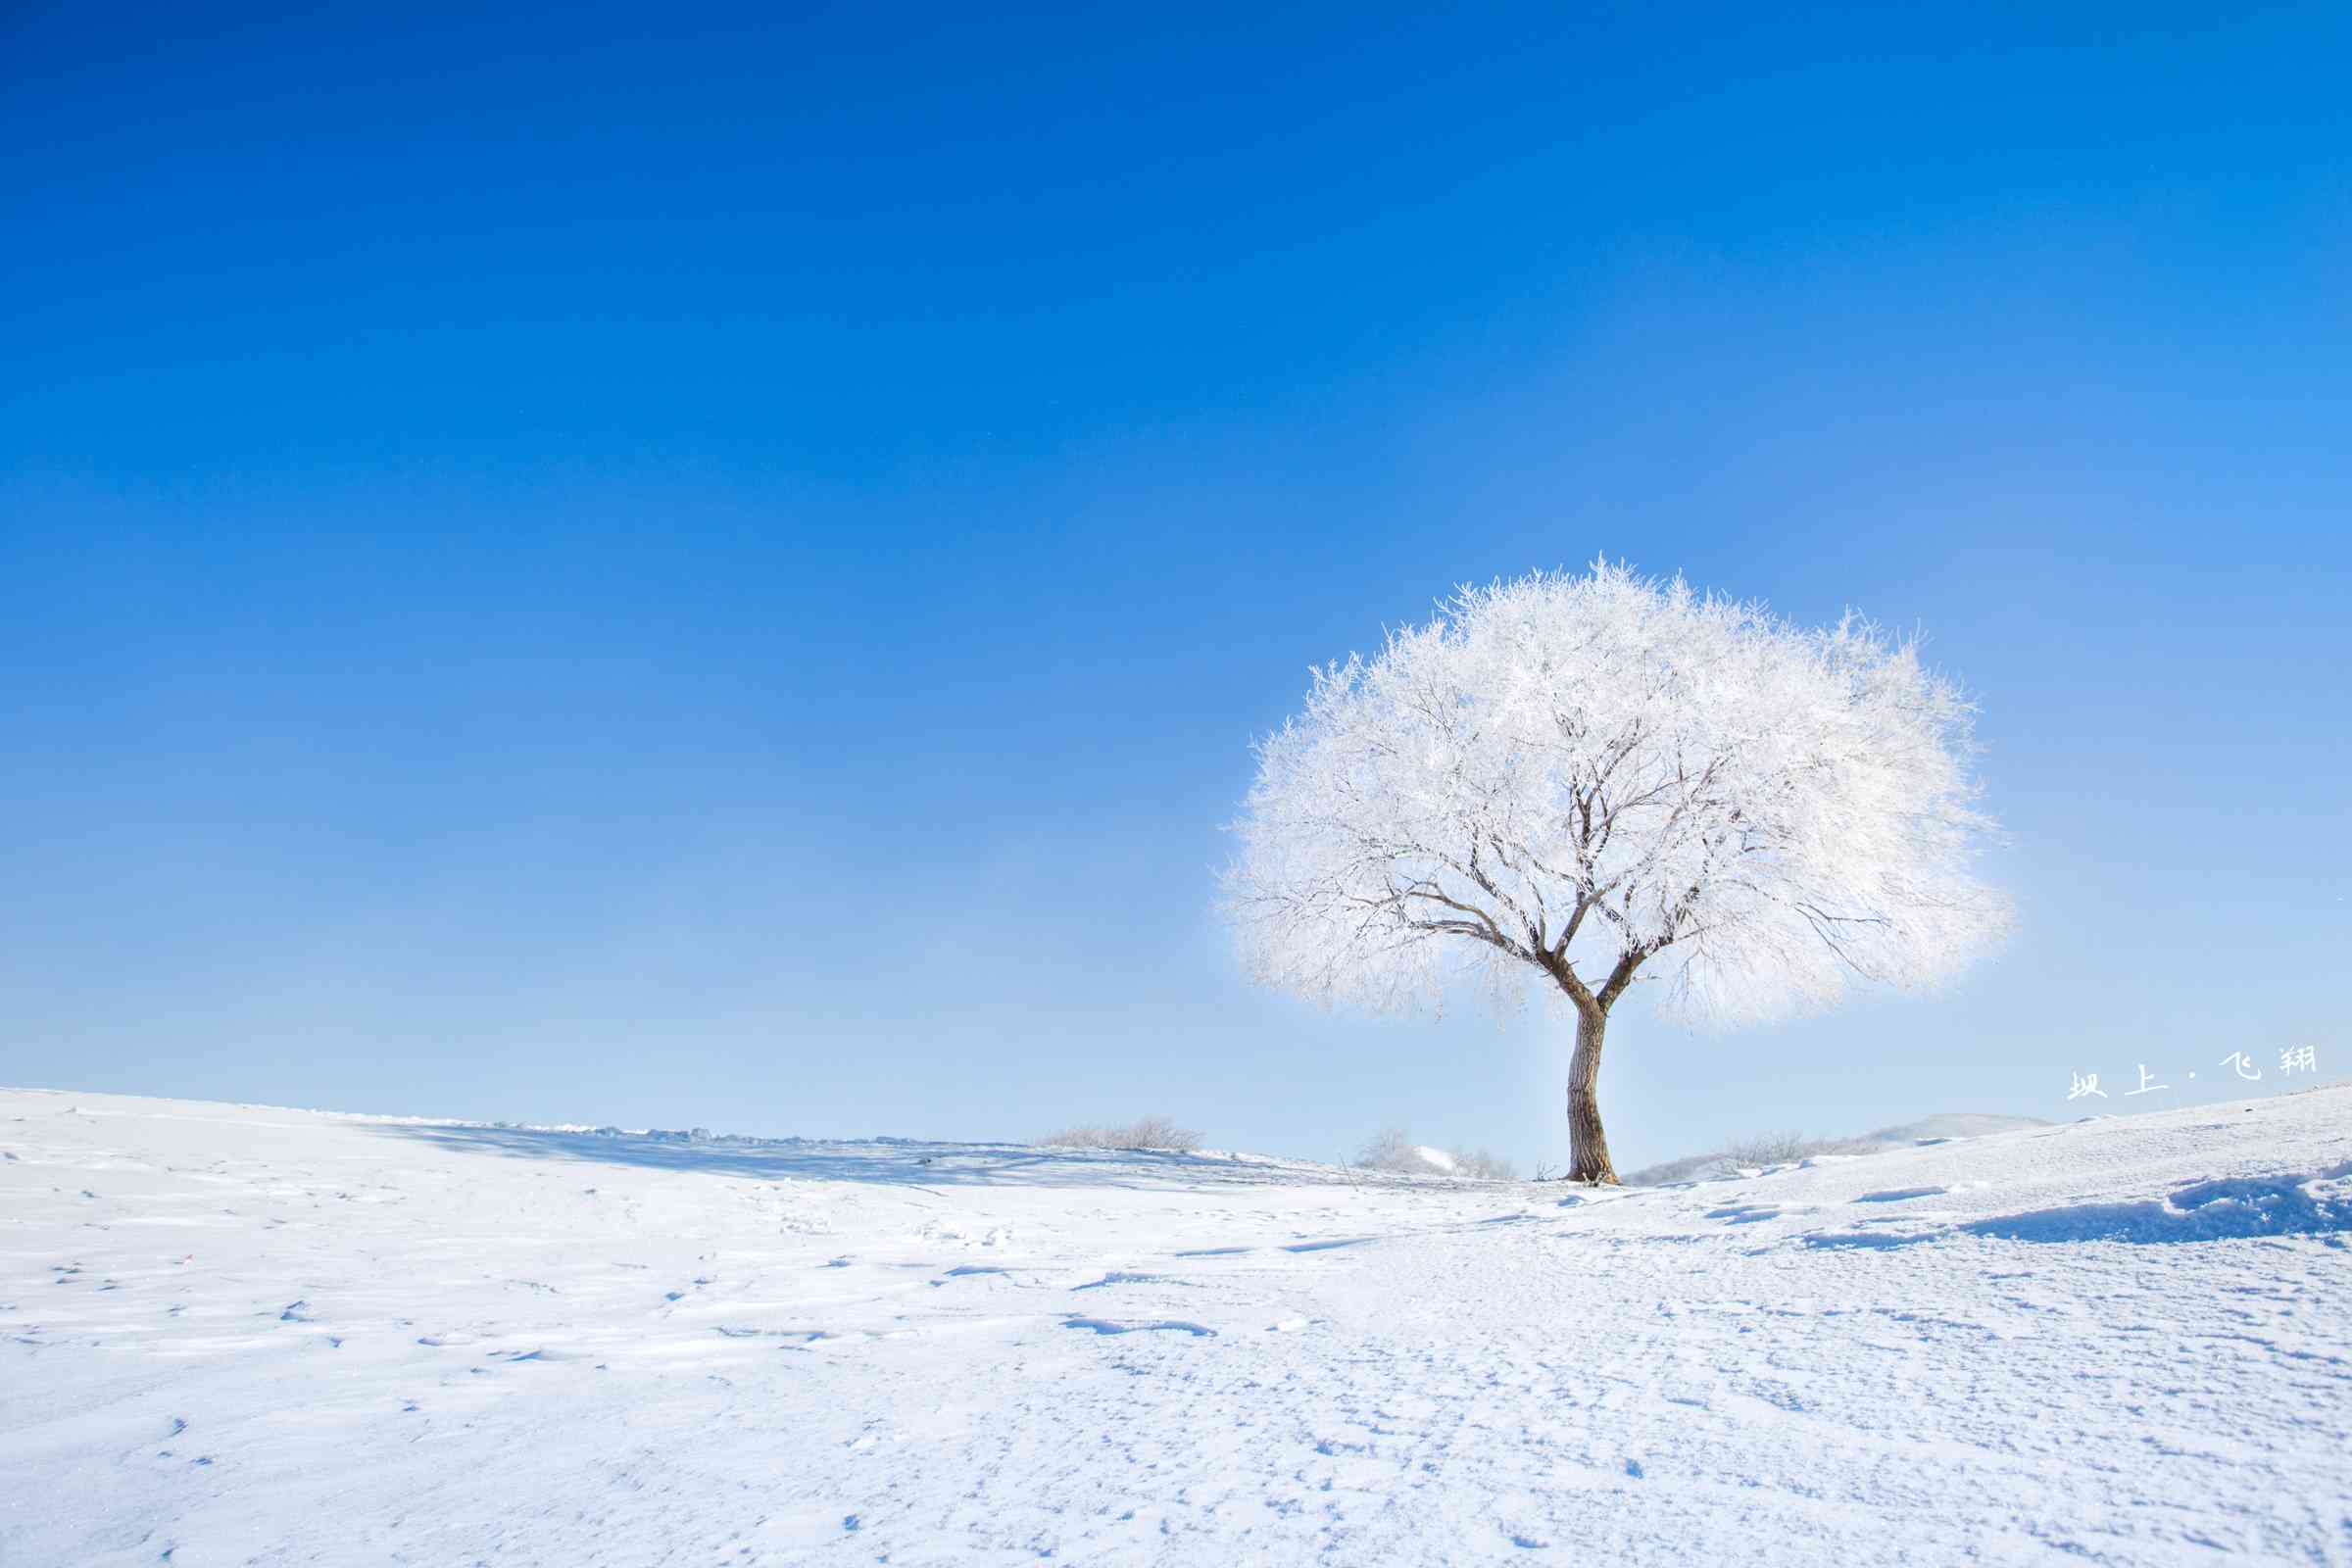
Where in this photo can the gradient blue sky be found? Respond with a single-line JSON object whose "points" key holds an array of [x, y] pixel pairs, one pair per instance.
{"points": [[720, 566]]}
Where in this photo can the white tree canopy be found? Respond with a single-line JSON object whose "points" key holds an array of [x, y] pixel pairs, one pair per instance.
{"points": [[1616, 779]]}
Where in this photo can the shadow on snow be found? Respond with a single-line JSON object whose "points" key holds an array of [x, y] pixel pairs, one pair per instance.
{"points": [[889, 1161], [2239, 1208]]}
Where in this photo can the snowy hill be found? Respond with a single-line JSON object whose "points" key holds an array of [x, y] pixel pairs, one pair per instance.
{"points": [[1927, 1129], [1953, 1124], [235, 1335]]}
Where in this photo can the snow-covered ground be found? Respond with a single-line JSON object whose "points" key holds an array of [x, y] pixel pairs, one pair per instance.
{"points": [[233, 1335], [1947, 1124]]}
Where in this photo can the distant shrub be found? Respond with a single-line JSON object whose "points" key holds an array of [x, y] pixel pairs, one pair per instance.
{"points": [[1392, 1150], [1482, 1165], [1766, 1148], [1150, 1132]]}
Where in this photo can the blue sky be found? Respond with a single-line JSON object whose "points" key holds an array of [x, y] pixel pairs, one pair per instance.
{"points": [[722, 566]]}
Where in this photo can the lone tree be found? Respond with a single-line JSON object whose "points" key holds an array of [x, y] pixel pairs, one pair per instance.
{"points": [[1606, 779]]}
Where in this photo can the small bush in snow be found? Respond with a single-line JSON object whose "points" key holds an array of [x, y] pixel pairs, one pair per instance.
{"points": [[1482, 1165], [1392, 1149], [1766, 1148], [1781, 1149], [1152, 1132]]}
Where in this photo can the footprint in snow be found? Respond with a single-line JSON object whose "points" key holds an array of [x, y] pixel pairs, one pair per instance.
{"points": [[1751, 1213], [1103, 1325], [1125, 1279], [1864, 1239], [965, 1270]]}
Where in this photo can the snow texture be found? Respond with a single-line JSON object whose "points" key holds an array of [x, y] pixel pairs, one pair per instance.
{"points": [[236, 1334]]}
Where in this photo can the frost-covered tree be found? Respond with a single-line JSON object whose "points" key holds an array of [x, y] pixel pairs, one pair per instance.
{"points": [[1605, 780]]}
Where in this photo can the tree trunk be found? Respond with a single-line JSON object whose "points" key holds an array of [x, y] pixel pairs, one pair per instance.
{"points": [[1588, 1145]]}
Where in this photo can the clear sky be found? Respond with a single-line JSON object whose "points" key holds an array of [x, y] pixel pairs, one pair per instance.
{"points": [[711, 565]]}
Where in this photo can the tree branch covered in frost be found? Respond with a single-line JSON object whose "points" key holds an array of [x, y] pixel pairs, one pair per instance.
{"points": [[1614, 778]]}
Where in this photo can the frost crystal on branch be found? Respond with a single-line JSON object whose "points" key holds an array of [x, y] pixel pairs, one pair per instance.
{"points": [[1616, 779]]}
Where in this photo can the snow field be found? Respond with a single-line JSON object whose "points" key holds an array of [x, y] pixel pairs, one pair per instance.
{"points": [[236, 1334]]}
